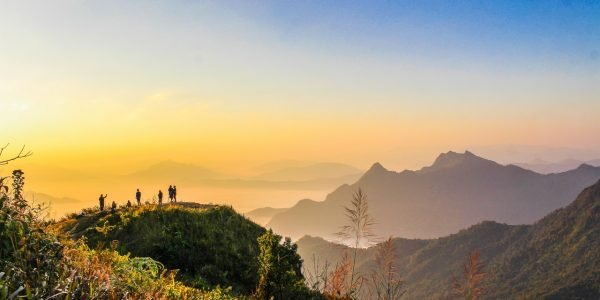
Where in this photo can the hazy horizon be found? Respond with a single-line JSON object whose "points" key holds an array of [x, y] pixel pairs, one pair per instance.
{"points": [[243, 189], [105, 89]]}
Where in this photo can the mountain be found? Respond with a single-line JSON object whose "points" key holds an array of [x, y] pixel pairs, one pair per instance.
{"points": [[531, 153], [175, 172], [49, 199], [558, 257], [544, 167], [54, 205], [456, 191], [316, 176], [263, 215], [277, 165], [311, 172]]}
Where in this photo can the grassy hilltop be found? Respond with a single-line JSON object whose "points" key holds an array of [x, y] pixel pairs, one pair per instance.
{"points": [[209, 245], [175, 251]]}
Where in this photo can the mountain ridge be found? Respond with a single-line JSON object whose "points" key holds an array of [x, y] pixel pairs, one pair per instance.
{"points": [[456, 191], [557, 257]]}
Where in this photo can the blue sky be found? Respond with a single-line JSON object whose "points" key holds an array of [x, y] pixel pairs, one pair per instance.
{"points": [[444, 31]]}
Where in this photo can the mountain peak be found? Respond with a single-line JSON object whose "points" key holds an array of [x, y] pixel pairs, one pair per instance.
{"points": [[376, 168], [584, 166], [451, 159], [375, 171]]}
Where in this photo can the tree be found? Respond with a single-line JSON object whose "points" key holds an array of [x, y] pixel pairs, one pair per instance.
{"points": [[337, 285], [470, 287], [385, 282], [358, 229], [279, 269]]}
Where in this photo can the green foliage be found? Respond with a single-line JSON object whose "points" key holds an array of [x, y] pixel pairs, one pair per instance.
{"points": [[105, 274], [29, 257], [558, 259], [210, 247], [280, 266], [36, 264]]}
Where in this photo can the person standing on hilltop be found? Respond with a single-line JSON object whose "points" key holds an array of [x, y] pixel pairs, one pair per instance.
{"points": [[128, 204], [160, 196], [101, 200], [113, 207], [171, 194], [175, 194], [138, 197]]}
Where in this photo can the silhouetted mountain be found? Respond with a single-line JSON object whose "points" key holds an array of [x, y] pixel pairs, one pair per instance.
{"points": [[288, 178], [273, 166], [544, 167], [52, 204], [311, 172], [556, 258], [458, 190], [41, 198], [263, 215], [506, 154], [175, 172]]}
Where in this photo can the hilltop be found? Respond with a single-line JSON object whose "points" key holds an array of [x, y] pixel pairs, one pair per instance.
{"points": [[210, 245]]}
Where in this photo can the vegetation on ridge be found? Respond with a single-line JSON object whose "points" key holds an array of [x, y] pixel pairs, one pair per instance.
{"points": [[122, 254], [35, 264]]}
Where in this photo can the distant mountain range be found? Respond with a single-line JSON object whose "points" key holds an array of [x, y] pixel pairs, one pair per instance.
{"points": [[456, 191], [52, 204], [310, 172], [175, 171], [544, 167], [558, 257], [262, 216], [48, 199], [311, 176]]}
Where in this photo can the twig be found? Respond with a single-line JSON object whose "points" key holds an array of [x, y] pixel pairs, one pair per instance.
{"points": [[18, 156]]}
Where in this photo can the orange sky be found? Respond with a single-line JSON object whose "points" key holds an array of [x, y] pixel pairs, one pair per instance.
{"points": [[110, 88]]}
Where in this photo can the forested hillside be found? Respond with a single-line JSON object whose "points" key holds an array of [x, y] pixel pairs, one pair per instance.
{"points": [[556, 258]]}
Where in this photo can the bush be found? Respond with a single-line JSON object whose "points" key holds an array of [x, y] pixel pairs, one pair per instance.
{"points": [[280, 275]]}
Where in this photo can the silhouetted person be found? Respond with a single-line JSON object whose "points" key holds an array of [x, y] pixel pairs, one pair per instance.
{"points": [[170, 193], [101, 200], [138, 197], [128, 204], [113, 207], [160, 196], [174, 193]]}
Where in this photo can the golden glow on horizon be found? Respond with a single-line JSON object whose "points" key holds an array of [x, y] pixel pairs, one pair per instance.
{"points": [[229, 90]]}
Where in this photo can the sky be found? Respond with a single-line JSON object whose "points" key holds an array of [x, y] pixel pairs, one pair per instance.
{"points": [[115, 86]]}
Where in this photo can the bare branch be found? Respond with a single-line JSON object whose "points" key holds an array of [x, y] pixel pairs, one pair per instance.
{"points": [[22, 154], [2, 149]]}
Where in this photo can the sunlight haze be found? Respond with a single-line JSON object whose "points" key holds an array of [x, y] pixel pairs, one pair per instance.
{"points": [[109, 88]]}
